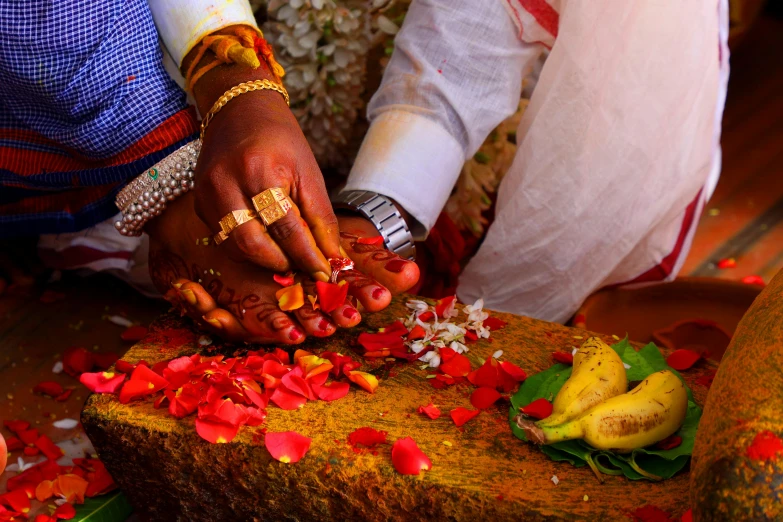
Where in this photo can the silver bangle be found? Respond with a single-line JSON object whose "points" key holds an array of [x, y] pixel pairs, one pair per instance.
{"points": [[145, 197]]}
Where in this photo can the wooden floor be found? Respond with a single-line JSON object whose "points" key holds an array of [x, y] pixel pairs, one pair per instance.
{"points": [[744, 218]]}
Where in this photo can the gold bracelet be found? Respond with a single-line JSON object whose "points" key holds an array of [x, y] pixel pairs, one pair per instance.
{"points": [[242, 88]]}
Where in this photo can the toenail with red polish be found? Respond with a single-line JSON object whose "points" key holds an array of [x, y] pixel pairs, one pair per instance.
{"points": [[349, 313], [323, 325], [294, 334], [377, 293], [395, 265]]}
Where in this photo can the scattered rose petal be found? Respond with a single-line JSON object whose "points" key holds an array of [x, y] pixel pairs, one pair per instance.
{"points": [[682, 359], [670, 442], [64, 512], [416, 333], [483, 398], [493, 323], [50, 388], [765, 446], [77, 360], [430, 411], [457, 366], [290, 298], [754, 280], [331, 391], [65, 424], [365, 380], [104, 361], [383, 340], [728, 262], [408, 459], [287, 400], [64, 395], [102, 382], [71, 487], [538, 409], [216, 432], [367, 437], [649, 513], [462, 415], [284, 280], [331, 295], [134, 334], [563, 358], [287, 446], [687, 516], [16, 500], [444, 308], [49, 448], [43, 491]]}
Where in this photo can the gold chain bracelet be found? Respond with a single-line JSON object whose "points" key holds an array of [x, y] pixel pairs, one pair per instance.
{"points": [[242, 88]]}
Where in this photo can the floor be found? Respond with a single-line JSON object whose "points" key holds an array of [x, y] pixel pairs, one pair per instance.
{"points": [[744, 218]]}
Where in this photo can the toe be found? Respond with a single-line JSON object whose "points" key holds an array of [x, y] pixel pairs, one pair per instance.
{"points": [[314, 322], [372, 295], [195, 298], [393, 272], [346, 316]]}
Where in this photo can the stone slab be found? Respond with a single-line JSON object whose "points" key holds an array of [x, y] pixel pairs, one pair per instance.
{"points": [[169, 473]]}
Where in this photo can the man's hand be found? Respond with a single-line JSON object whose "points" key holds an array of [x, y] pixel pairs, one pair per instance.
{"points": [[254, 143]]}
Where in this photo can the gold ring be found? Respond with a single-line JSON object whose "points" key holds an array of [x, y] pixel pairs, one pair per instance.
{"points": [[220, 237], [235, 218], [276, 211], [267, 198]]}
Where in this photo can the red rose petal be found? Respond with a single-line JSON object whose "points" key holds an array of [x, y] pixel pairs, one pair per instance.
{"points": [[102, 382], [50, 388], [124, 367], [133, 390], [493, 323], [318, 379], [485, 375], [365, 380], [444, 307], [446, 354], [728, 262], [182, 403], [287, 400], [28, 436], [134, 334], [64, 395], [31, 451], [754, 280], [287, 446], [64, 512], [765, 446], [517, 373], [143, 373], [538, 409], [367, 437], [430, 411], [16, 426], [331, 391], [312, 365], [670, 442], [462, 415], [14, 444], [77, 360], [426, 316], [458, 366], [16, 500], [377, 240], [483, 398], [297, 384], [379, 341], [687, 516], [650, 513], [49, 448], [216, 432], [284, 280], [44, 518], [104, 361], [408, 459], [416, 333], [331, 295], [563, 358], [682, 359]]}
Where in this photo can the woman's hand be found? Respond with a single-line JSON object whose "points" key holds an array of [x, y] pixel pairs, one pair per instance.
{"points": [[254, 143]]}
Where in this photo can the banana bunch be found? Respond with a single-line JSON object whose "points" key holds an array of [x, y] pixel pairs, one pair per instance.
{"points": [[593, 405]]}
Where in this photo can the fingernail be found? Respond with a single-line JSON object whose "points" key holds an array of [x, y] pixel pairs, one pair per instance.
{"points": [[294, 334], [343, 252], [321, 276], [176, 285], [349, 313], [214, 322], [395, 265], [377, 293], [189, 296]]}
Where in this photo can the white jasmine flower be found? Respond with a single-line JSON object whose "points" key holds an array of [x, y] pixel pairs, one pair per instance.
{"points": [[432, 357], [58, 367], [497, 354], [458, 347]]}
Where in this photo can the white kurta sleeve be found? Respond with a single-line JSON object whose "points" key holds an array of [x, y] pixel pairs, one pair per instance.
{"points": [[455, 74], [183, 23]]}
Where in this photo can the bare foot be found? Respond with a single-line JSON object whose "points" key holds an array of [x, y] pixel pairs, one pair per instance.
{"points": [[236, 299]]}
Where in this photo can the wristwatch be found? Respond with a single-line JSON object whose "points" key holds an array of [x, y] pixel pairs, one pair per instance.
{"points": [[382, 212]]}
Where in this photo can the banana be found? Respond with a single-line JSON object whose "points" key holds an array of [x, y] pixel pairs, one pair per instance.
{"points": [[598, 374], [647, 414]]}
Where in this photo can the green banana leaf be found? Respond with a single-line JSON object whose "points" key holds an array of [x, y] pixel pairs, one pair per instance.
{"points": [[656, 462], [112, 507]]}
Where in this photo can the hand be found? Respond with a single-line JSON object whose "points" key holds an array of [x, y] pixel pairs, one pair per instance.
{"points": [[252, 144]]}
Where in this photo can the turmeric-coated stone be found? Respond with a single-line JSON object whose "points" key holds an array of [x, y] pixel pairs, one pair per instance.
{"points": [[479, 471]]}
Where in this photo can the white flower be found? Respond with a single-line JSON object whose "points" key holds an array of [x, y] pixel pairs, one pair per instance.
{"points": [[555, 480], [58, 367], [497, 354], [415, 304], [20, 465], [417, 346], [458, 347], [432, 357], [119, 320], [65, 424]]}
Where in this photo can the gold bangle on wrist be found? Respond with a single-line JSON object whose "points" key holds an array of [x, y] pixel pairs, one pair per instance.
{"points": [[242, 88]]}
